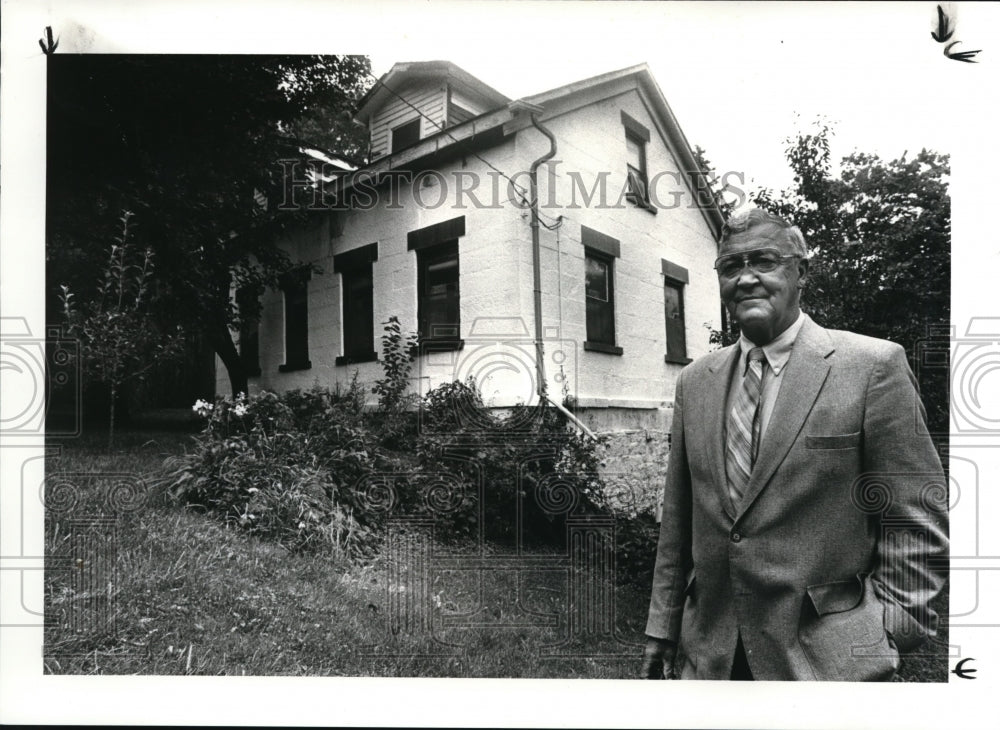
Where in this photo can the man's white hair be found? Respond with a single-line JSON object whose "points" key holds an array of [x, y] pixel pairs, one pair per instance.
{"points": [[757, 217]]}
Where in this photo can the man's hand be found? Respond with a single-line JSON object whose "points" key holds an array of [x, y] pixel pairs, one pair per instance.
{"points": [[658, 659]]}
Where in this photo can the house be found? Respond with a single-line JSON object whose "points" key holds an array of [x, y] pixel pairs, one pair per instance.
{"points": [[610, 269]]}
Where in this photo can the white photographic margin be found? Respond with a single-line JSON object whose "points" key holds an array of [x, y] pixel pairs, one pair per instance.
{"points": [[403, 32]]}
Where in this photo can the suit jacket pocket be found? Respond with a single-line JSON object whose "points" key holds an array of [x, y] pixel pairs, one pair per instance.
{"points": [[842, 632], [838, 441]]}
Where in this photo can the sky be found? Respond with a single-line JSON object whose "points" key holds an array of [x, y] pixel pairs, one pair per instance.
{"points": [[740, 77]]}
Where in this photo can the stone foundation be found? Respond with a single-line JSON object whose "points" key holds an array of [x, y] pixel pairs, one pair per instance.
{"points": [[634, 448]]}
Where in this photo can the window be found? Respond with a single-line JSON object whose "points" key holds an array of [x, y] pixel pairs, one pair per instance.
{"points": [[674, 279], [600, 252], [636, 139], [294, 285], [248, 302], [405, 134], [355, 269], [438, 298]]}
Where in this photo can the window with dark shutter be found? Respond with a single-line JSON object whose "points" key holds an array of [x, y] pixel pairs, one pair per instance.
{"points": [[600, 299], [295, 288], [438, 297], [437, 282], [248, 305], [674, 280], [636, 139], [357, 288], [600, 252], [405, 135]]}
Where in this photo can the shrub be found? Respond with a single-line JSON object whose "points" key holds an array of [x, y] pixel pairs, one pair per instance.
{"points": [[281, 466], [635, 548], [286, 467], [529, 467], [394, 422]]}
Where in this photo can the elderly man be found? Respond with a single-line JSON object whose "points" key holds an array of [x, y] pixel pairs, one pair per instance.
{"points": [[804, 527]]}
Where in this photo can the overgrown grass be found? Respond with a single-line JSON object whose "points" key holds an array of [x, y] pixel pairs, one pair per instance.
{"points": [[180, 593], [190, 596]]}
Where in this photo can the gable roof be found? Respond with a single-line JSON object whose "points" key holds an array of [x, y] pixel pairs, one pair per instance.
{"points": [[401, 73], [661, 112], [509, 116]]}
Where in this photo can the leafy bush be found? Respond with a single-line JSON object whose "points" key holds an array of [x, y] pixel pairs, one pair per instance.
{"points": [[289, 467], [282, 466], [119, 338], [394, 421], [527, 468], [635, 548]]}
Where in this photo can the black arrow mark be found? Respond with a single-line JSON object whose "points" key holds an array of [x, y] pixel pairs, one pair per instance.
{"points": [[943, 31], [960, 671], [48, 47], [967, 56]]}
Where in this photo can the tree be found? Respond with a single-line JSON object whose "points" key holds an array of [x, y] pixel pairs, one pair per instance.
{"points": [[880, 238], [119, 339], [190, 145], [714, 183], [715, 189]]}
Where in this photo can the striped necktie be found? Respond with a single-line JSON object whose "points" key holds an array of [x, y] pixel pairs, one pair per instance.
{"points": [[743, 431]]}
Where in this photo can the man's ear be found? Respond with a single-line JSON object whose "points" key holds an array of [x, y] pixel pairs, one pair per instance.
{"points": [[803, 265]]}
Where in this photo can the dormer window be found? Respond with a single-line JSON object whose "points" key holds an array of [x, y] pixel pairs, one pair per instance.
{"points": [[438, 93], [405, 135]]}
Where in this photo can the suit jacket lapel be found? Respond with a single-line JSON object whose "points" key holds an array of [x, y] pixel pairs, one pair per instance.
{"points": [[807, 369], [714, 402]]}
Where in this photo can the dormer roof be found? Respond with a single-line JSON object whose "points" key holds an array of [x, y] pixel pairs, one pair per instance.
{"points": [[494, 116], [406, 73]]}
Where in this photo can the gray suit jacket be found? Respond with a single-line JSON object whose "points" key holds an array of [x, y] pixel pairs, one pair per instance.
{"points": [[841, 538]]}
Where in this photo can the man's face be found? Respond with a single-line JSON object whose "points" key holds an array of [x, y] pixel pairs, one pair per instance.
{"points": [[764, 304]]}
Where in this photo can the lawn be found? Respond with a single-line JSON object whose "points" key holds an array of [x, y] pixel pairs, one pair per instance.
{"points": [[176, 592], [138, 586]]}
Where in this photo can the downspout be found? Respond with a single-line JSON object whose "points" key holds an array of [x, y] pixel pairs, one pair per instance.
{"points": [[536, 265], [536, 253]]}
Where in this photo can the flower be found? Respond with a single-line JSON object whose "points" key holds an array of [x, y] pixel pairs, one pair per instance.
{"points": [[239, 410], [202, 408]]}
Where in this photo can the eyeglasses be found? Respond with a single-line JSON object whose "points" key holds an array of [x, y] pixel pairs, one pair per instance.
{"points": [[760, 261]]}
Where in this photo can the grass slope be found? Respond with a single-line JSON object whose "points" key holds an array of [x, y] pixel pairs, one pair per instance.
{"points": [[169, 591]]}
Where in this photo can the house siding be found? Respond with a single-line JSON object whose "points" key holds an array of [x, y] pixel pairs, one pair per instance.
{"points": [[489, 276], [591, 140], [628, 396], [426, 101]]}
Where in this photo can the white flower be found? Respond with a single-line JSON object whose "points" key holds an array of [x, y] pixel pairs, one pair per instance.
{"points": [[240, 410], [202, 408]]}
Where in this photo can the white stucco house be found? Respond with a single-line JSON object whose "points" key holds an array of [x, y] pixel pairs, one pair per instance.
{"points": [[605, 267]]}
